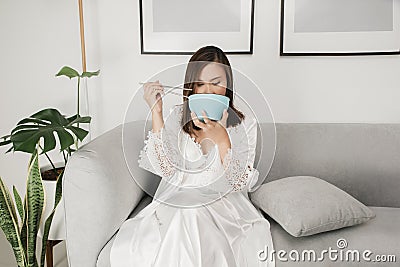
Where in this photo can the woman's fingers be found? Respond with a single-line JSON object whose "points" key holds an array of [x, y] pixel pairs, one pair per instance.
{"points": [[205, 118], [153, 92], [154, 88], [224, 118], [196, 120]]}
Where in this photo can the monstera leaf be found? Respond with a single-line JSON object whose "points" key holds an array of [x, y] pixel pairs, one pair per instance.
{"points": [[44, 124], [72, 73]]}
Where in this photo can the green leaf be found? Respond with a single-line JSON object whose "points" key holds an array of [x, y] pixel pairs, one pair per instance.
{"points": [[58, 189], [9, 224], [66, 139], [72, 118], [6, 137], [5, 142], [49, 141], [85, 119], [32, 120], [68, 71], [25, 127], [79, 132], [35, 203], [24, 230], [25, 136], [18, 201], [90, 74], [25, 141], [51, 115]]}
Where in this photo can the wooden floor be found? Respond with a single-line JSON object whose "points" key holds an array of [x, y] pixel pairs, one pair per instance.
{"points": [[7, 257]]}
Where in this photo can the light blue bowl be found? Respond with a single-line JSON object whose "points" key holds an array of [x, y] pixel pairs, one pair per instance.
{"points": [[212, 104]]}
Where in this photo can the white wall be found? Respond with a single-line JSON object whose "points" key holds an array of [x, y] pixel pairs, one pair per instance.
{"points": [[39, 37], [299, 89]]}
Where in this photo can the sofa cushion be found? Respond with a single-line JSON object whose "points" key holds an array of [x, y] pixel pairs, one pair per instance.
{"points": [[306, 205], [380, 235]]}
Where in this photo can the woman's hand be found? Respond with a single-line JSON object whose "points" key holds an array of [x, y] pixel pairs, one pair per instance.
{"points": [[215, 131], [152, 95]]}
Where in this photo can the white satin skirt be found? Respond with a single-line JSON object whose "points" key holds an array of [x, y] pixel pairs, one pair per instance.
{"points": [[229, 232]]}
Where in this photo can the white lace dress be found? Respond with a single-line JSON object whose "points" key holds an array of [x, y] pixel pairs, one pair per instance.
{"points": [[201, 214]]}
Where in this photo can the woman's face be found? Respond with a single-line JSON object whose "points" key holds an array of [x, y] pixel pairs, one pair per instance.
{"points": [[212, 80]]}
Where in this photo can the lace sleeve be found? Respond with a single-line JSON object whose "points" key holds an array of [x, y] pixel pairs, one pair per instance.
{"points": [[159, 152], [236, 173], [153, 157]]}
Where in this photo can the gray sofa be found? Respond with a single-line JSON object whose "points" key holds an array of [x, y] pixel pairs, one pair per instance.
{"points": [[362, 159]]}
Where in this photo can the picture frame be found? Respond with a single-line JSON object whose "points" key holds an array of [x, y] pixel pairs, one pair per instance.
{"points": [[181, 27], [326, 28]]}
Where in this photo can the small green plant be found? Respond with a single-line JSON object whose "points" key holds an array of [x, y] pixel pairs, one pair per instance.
{"points": [[71, 73], [22, 234]]}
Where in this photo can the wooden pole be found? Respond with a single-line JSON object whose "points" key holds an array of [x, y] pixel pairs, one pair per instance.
{"points": [[82, 33]]}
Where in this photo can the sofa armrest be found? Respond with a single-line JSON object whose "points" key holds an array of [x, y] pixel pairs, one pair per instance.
{"points": [[99, 193]]}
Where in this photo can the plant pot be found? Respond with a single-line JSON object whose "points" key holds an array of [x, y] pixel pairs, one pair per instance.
{"points": [[57, 228]]}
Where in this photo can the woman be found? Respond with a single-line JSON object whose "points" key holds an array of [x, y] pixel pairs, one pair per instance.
{"points": [[201, 214]]}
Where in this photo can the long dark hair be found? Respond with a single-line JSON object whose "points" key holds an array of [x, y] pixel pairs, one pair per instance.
{"points": [[204, 55]]}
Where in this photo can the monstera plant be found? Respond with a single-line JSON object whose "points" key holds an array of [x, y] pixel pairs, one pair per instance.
{"points": [[43, 124]]}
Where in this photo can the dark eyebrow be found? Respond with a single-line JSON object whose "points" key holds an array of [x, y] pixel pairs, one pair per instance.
{"points": [[211, 79]]}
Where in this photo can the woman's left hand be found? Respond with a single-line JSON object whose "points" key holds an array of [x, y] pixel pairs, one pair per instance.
{"points": [[214, 130]]}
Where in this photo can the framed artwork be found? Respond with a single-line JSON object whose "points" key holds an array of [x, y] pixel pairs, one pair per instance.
{"points": [[339, 27], [180, 27]]}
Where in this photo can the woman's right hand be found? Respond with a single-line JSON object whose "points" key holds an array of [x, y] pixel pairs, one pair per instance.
{"points": [[153, 92]]}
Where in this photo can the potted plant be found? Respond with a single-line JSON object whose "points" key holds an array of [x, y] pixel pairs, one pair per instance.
{"points": [[35, 135], [26, 137], [22, 234]]}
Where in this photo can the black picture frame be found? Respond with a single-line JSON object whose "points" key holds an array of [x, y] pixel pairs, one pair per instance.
{"points": [[145, 50], [286, 52]]}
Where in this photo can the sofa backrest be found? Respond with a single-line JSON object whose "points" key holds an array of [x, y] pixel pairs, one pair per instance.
{"points": [[360, 158]]}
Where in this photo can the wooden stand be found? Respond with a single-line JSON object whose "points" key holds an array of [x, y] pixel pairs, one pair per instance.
{"points": [[49, 251]]}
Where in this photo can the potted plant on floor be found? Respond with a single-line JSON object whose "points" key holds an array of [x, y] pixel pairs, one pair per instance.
{"points": [[37, 133], [22, 234]]}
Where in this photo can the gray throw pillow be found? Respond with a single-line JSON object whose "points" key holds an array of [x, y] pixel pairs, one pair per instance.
{"points": [[306, 205]]}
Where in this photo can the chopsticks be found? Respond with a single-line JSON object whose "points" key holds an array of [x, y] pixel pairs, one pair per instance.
{"points": [[169, 92], [173, 88]]}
